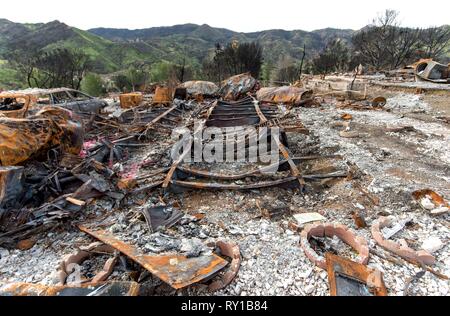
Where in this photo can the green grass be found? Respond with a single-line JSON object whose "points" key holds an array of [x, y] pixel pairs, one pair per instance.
{"points": [[8, 78]]}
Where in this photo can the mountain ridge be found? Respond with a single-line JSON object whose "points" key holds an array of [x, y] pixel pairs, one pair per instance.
{"points": [[114, 49]]}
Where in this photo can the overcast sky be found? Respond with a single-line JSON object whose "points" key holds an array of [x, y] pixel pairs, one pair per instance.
{"points": [[237, 15]]}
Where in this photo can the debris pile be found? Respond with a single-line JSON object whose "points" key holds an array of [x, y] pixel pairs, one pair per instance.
{"points": [[110, 199]]}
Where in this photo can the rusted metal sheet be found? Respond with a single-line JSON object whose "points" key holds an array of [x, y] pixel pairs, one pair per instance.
{"points": [[435, 198], [163, 95], [52, 126], [348, 278], [176, 270], [286, 95], [14, 105], [238, 86], [130, 100], [99, 289]]}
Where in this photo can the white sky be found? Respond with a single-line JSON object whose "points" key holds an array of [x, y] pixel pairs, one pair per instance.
{"points": [[237, 15]]}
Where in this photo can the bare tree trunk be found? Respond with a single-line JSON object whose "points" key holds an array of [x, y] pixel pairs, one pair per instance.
{"points": [[303, 59]]}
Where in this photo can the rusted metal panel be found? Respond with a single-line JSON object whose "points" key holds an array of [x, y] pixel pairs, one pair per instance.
{"points": [[176, 270], [286, 95], [130, 100], [348, 278], [22, 138], [163, 95]]}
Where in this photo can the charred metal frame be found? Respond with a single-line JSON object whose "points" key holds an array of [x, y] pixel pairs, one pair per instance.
{"points": [[246, 112]]}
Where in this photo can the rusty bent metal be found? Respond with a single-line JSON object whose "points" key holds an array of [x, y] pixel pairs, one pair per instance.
{"points": [[176, 270], [23, 138]]}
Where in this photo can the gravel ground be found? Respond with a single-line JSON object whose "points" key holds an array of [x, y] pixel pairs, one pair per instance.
{"points": [[390, 165]]}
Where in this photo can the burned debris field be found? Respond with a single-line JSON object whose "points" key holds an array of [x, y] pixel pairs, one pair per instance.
{"points": [[211, 172], [92, 194]]}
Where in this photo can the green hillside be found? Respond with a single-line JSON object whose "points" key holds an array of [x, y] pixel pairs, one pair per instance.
{"points": [[113, 50]]}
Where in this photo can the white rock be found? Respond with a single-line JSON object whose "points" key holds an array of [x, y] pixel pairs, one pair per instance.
{"points": [[359, 206], [309, 289], [432, 244], [427, 204], [4, 253], [440, 210]]}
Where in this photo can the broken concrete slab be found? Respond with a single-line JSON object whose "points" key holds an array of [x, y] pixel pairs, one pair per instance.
{"points": [[304, 218]]}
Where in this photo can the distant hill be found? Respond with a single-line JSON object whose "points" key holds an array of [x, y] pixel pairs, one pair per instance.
{"points": [[202, 38], [113, 49]]}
